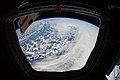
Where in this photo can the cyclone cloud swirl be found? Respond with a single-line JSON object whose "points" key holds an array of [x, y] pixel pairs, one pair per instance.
{"points": [[58, 44]]}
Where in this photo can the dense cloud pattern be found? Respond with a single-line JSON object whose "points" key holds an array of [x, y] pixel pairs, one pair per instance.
{"points": [[58, 44]]}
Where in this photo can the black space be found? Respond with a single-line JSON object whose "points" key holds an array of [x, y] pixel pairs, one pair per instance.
{"points": [[9, 70]]}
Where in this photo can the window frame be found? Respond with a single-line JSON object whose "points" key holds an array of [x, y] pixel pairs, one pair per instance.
{"points": [[20, 60]]}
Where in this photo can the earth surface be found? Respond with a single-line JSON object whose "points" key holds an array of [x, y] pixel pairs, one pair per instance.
{"points": [[58, 44]]}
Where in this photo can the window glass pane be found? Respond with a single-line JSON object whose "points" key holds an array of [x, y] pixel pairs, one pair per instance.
{"points": [[58, 44]]}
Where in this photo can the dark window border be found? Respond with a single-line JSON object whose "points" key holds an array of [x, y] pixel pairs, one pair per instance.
{"points": [[93, 60]]}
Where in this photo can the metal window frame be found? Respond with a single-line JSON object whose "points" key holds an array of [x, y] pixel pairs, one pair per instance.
{"points": [[100, 47]]}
